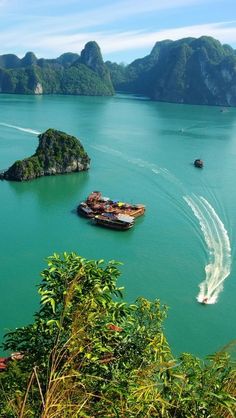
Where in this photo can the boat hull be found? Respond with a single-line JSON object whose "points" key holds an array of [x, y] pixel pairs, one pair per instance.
{"points": [[85, 211], [198, 163], [104, 221]]}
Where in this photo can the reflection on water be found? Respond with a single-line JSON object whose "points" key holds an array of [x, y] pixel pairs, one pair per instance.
{"points": [[51, 190]]}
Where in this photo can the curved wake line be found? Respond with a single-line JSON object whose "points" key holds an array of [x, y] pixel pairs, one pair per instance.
{"points": [[139, 162], [19, 128], [219, 250], [214, 231]]}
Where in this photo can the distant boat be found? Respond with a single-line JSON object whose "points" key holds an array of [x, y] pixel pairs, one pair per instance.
{"points": [[198, 163]]}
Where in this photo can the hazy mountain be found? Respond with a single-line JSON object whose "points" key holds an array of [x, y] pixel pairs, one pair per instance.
{"points": [[198, 71], [190, 70], [69, 74]]}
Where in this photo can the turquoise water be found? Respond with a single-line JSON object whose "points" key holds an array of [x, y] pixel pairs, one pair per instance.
{"points": [[141, 151]]}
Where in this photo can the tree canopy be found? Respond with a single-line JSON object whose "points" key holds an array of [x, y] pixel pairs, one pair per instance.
{"points": [[90, 354]]}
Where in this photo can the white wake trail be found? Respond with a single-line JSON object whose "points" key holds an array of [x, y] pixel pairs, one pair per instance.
{"points": [[139, 162], [19, 128], [219, 250]]}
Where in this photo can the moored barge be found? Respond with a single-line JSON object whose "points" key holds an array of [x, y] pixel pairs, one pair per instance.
{"points": [[110, 220], [96, 204], [110, 213]]}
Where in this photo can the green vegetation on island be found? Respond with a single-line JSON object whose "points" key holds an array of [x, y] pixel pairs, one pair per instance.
{"points": [[190, 70], [57, 153], [90, 354], [84, 74]]}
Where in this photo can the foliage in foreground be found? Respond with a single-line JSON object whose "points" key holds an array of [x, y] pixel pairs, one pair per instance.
{"points": [[89, 354]]}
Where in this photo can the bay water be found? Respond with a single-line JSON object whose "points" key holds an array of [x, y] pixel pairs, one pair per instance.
{"points": [[141, 152]]}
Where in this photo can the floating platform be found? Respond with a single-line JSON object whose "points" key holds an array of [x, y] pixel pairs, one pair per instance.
{"points": [[110, 213]]}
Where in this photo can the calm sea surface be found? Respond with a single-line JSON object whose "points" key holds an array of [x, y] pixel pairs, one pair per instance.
{"points": [[141, 152]]}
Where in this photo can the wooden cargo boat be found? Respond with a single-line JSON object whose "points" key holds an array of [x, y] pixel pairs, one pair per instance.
{"points": [[113, 221], [131, 210], [96, 204], [84, 210]]}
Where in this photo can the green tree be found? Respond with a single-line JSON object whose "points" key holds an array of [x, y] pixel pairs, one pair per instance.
{"points": [[89, 354]]}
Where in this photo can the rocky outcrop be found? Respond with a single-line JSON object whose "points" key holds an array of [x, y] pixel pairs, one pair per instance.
{"points": [[29, 59], [57, 153], [92, 57], [38, 89]]}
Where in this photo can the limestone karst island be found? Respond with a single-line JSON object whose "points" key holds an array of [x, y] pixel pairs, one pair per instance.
{"points": [[190, 70], [57, 153]]}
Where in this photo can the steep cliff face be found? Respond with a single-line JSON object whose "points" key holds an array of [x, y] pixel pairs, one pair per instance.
{"points": [[69, 74], [92, 57], [29, 59], [38, 89], [57, 153], [197, 71]]}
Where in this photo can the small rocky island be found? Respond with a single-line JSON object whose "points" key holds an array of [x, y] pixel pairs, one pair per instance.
{"points": [[57, 153]]}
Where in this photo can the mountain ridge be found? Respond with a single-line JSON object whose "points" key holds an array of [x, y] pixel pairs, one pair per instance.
{"points": [[189, 70], [70, 73]]}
